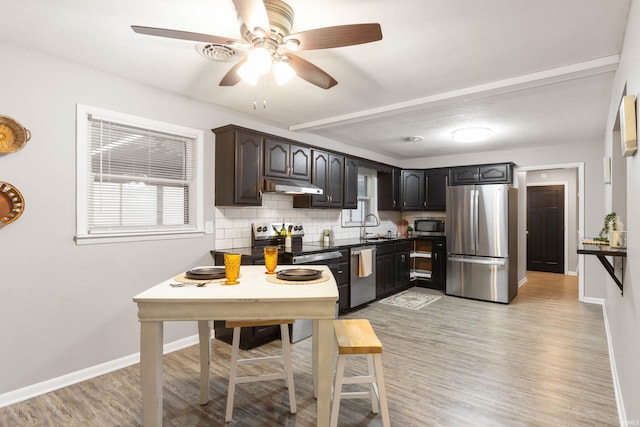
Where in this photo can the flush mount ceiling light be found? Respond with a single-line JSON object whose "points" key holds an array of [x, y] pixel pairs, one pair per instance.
{"points": [[474, 134], [412, 138]]}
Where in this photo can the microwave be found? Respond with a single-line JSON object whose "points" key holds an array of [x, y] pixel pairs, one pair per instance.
{"points": [[429, 225]]}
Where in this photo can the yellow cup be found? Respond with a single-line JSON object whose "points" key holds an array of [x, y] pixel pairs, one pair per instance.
{"points": [[232, 268], [271, 259]]}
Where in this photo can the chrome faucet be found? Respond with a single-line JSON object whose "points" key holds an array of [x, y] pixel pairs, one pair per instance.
{"points": [[363, 229]]}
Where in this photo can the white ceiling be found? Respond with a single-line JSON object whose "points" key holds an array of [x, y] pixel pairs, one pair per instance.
{"points": [[535, 72]]}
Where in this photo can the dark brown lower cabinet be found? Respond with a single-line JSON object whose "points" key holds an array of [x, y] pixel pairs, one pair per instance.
{"points": [[384, 270], [402, 264], [343, 280]]}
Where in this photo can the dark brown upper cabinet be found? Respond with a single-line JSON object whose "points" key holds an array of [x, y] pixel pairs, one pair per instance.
{"points": [[238, 166], [283, 159], [499, 173], [436, 189], [412, 190], [389, 190], [350, 183], [327, 172]]}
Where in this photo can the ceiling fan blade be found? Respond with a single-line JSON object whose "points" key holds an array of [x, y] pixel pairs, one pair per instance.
{"points": [[186, 35], [232, 77], [309, 72], [253, 14], [338, 36]]}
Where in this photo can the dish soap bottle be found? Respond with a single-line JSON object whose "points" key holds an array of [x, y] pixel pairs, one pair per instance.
{"points": [[287, 242]]}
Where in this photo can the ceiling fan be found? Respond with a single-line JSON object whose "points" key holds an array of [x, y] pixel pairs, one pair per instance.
{"points": [[266, 31]]}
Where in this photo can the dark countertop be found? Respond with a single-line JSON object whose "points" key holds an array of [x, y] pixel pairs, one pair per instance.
{"points": [[313, 247]]}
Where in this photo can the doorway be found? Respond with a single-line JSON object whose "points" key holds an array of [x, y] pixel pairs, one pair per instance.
{"points": [[545, 228], [573, 180]]}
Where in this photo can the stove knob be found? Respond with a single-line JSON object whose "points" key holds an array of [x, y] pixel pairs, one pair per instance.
{"points": [[299, 228], [261, 229]]}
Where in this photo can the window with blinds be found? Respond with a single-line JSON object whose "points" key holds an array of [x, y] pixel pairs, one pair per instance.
{"points": [[137, 177], [367, 200]]}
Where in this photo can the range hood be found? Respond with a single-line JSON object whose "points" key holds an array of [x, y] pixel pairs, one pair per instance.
{"points": [[289, 186]]}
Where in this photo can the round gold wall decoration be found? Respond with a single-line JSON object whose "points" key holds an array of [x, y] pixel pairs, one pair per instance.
{"points": [[11, 203], [13, 136]]}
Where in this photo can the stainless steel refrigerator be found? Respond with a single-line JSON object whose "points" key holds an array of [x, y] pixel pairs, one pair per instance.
{"points": [[481, 230]]}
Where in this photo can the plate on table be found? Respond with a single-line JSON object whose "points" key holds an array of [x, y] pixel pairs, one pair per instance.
{"points": [[205, 273], [299, 274]]}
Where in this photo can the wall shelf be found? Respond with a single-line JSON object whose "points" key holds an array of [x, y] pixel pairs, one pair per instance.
{"points": [[601, 252]]}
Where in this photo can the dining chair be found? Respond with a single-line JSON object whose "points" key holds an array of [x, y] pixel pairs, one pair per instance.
{"points": [[284, 358]]}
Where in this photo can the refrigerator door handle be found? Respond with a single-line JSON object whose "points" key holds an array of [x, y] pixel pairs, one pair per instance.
{"points": [[483, 261], [472, 226], [476, 237]]}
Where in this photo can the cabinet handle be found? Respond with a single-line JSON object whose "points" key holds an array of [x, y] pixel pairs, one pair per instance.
{"points": [[402, 258], [394, 204]]}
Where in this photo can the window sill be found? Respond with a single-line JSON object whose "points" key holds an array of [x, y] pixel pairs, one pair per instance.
{"points": [[116, 238]]}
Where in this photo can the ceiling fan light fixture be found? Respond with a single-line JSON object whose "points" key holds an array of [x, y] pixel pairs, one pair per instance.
{"points": [[472, 134], [260, 60], [248, 74], [283, 72]]}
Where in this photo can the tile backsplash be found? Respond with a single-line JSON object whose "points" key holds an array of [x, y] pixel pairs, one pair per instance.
{"points": [[233, 224]]}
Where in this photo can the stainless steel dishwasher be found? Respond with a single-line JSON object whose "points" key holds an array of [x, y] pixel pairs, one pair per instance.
{"points": [[363, 289], [303, 328]]}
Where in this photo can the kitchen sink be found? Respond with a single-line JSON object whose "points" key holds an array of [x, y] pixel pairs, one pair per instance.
{"points": [[378, 239]]}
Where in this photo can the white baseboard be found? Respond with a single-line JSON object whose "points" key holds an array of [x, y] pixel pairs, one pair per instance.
{"points": [[47, 386], [572, 273], [622, 416], [592, 300]]}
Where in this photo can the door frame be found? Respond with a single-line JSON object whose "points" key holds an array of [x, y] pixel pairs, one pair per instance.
{"points": [[565, 245], [579, 207]]}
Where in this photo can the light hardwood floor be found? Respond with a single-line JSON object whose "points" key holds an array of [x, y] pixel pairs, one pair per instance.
{"points": [[540, 361]]}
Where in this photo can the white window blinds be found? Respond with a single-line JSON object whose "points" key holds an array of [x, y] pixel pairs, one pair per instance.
{"points": [[139, 180]]}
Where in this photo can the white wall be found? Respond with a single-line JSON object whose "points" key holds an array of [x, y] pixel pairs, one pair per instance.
{"points": [[623, 312]]}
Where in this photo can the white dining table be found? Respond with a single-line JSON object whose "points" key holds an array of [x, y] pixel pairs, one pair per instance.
{"points": [[253, 298]]}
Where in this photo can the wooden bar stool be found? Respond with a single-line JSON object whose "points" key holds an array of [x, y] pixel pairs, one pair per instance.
{"points": [[356, 336], [285, 358]]}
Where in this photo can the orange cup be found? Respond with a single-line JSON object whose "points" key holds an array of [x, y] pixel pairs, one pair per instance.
{"points": [[232, 268], [271, 259]]}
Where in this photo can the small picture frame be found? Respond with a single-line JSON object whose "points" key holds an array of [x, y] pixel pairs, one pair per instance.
{"points": [[627, 117]]}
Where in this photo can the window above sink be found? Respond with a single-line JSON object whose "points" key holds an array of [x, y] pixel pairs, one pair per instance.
{"points": [[367, 200]]}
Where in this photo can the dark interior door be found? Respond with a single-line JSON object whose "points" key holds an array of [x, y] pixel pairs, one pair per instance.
{"points": [[545, 226]]}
